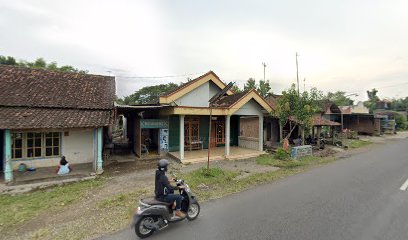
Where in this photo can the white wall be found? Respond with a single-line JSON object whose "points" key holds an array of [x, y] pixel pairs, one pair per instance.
{"points": [[77, 148], [214, 89], [199, 97], [251, 108], [196, 98], [360, 108]]}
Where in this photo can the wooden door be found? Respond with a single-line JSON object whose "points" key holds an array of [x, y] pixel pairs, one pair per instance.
{"points": [[217, 133]]}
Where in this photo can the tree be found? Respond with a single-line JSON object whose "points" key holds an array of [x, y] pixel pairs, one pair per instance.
{"points": [[299, 108], [250, 84], [147, 94], [339, 98], [372, 100], [264, 88], [400, 104], [236, 89], [7, 60], [39, 63]]}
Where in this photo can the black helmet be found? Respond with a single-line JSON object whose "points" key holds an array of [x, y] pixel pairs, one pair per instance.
{"points": [[162, 165]]}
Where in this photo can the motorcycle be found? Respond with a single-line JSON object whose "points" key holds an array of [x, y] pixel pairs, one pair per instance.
{"points": [[313, 141], [153, 215]]}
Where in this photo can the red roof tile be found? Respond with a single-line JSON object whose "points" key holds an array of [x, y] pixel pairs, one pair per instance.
{"points": [[228, 100], [40, 118], [318, 121], [30, 87]]}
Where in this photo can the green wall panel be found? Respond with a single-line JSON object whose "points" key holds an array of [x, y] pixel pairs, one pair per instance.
{"points": [[204, 125], [174, 133]]}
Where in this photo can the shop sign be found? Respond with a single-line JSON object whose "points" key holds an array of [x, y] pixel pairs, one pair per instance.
{"points": [[154, 123]]}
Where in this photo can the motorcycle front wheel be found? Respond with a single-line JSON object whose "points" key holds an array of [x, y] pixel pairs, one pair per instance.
{"points": [[140, 229], [193, 211]]}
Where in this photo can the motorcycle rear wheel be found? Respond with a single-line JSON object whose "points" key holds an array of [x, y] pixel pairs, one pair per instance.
{"points": [[140, 230]]}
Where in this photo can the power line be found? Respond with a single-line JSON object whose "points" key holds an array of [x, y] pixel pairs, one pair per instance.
{"points": [[297, 72], [168, 76]]}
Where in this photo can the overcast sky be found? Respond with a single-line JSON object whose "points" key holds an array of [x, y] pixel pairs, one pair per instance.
{"points": [[343, 45]]}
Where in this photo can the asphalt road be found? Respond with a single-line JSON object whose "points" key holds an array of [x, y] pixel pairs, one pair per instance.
{"points": [[354, 198]]}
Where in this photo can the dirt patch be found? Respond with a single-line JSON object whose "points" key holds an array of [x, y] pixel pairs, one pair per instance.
{"points": [[326, 152]]}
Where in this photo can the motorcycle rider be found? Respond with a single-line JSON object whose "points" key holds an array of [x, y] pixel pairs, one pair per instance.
{"points": [[164, 191]]}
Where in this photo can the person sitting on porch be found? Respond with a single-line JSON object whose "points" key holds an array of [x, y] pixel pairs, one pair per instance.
{"points": [[164, 191], [64, 167]]}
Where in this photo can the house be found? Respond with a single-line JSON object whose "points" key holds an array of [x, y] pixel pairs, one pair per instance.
{"points": [[357, 118], [272, 126], [48, 114], [358, 108], [178, 122]]}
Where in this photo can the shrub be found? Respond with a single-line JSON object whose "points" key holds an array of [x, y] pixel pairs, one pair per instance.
{"points": [[400, 121], [281, 154]]}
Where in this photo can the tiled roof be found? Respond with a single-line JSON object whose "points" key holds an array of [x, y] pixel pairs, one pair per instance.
{"points": [[228, 100], [272, 100], [40, 118], [318, 121], [28, 87], [188, 83]]}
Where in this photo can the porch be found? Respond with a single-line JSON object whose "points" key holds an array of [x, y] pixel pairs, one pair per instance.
{"points": [[217, 153], [43, 174]]}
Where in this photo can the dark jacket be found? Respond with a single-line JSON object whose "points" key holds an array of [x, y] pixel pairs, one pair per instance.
{"points": [[162, 185]]}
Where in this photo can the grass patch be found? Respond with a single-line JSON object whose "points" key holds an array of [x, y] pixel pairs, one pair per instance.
{"points": [[15, 210], [123, 199], [212, 177], [358, 143], [223, 182], [270, 160]]}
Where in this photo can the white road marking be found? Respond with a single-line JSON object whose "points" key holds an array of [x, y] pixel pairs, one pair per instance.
{"points": [[404, 186]]}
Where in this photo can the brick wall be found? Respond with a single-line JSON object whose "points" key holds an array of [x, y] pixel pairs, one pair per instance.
{"points": [[249, 127]]}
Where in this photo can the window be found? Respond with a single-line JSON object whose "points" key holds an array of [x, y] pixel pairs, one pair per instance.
{"points": [[16, 145], [52, 146], [35, 144]]}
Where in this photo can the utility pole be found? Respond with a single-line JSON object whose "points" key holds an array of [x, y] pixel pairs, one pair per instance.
{"points": [[264, 65], [209, 139], [304, 84], [297, 72]]}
